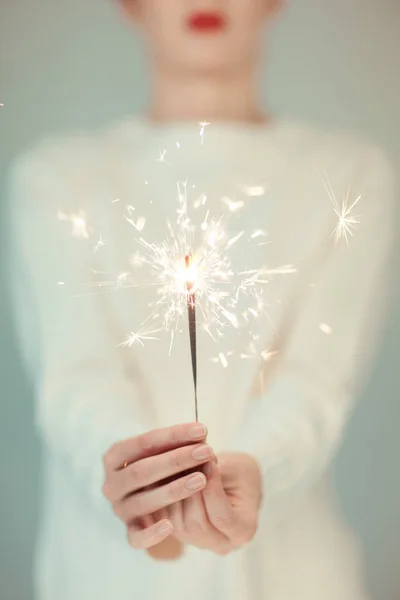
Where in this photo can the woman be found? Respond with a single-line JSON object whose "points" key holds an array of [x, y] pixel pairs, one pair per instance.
{"points": [[250, 515]]}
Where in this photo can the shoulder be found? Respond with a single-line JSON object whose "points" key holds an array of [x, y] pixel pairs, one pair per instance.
{"points": [[79, 151], [74, 166], [345, 154], [331, 175], [341, 165], [62, 154]]}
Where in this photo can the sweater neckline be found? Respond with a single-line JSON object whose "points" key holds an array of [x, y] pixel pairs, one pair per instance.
{"points": [[221, 141]]}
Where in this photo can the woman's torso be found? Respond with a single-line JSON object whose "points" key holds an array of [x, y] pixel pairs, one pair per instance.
{"points": [[282, 218]]}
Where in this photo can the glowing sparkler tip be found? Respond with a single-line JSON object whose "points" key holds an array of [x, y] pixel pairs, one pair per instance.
{"points": [[190, 275]]}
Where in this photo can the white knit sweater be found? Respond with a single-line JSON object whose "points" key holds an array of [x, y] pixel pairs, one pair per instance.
{"points": [[321, 326]]}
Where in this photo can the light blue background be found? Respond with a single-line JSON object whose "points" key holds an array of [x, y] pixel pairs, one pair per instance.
{"points": [[74, 64]]}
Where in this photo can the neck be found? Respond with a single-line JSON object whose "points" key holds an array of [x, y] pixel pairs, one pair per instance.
{"points": [[205, 97]]}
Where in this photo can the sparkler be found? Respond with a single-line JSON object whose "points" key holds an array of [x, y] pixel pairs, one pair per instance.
{"points": [[191, 306], [191, 271]]}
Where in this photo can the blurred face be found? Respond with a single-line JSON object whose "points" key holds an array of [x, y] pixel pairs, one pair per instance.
{"points": [[202, 35]]}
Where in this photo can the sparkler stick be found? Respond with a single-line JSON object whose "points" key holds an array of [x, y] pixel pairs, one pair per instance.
{"points": [[191, 305]]}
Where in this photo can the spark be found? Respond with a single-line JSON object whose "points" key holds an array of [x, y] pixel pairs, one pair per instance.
{"points": [[256, 277], [122, 278], [258, 233], [138, 224], [200, 201], [78, 222], [222, 358], [99, 244], [260, 305], [204, 224], [137, 338], [203, 126], [250, 352], [232, 206], [61, 283], [254, 191], [268, 355], [327, 329], [161, 158], [171, 342], [284, 270], [234, 239], [215, 337], [116, 200], [347, 221]]}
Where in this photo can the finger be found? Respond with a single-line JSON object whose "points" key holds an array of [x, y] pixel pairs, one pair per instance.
{"points": [[150, 536], [175, 515], [152, 443], [149, 501], [218, 507], [149, 471], [147, 521], [198, 530]]}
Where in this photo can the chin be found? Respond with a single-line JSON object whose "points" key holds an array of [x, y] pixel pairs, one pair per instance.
{"points": [[210, 60]]}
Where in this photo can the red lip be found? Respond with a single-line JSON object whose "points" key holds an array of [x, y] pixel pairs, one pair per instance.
{"points": [[206, 22]]}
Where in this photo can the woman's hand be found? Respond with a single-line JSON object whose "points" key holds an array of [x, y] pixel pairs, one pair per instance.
{"points": [[136, 478], [224, 516]]}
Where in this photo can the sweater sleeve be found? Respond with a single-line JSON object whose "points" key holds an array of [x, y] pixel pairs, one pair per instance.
{"points": [[294, 428], [87, 394]]}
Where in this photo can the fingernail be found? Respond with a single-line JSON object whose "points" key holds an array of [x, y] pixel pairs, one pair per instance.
{"points": [[196, 482], [164, 527], [197, 432], [202, 452]]}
